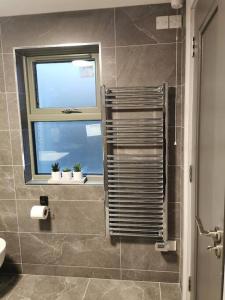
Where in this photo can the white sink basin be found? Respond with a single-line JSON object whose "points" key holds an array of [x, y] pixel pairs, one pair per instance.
{"points": [[2, 250]]}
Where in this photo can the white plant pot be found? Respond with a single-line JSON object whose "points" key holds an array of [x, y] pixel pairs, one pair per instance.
{"points": [[56, 175], [77, 176], [66, 175]]}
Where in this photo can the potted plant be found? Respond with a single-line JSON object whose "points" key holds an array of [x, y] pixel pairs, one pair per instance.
{"points": [[56, 174], [77, 174], [66, 174]]}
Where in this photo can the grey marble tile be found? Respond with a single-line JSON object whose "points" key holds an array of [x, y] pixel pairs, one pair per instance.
{"points": [[2, 79], [146, 65], [4, 124], [174, 183], [121, 290], [174, 220], [175, 103], [16, 147], [8, 217], [153, 276], [70, 250], [9, 70], [108, 67], [55, 192], [175, 151], [71, 271], [59, 28], [13, 111], [170, 291], [5, 148], [12, 247], [42, 288], [6, 183], [78, 217], [137, 25], [141, 254]]}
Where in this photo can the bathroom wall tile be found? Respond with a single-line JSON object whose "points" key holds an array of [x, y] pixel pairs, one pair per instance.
{"points": [[16, 147], [141, 254], [5, 148], [12, 249], [8, 217], [117, 289], [9, 69], [4, 124], [70, 250], [2, 80], [175, 103], [55, 192], [78, 217], [42, 287], [71, 271], [13, 111], [154, 276], [6, 183], [170, 291], [174, 220], [137, 25], [60, 28], [174, 183], [146, 65], [108, 67], [20, 74], [175, 151]]}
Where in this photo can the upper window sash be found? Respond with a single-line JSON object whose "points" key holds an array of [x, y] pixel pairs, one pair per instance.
{"points": [[92, 112]]}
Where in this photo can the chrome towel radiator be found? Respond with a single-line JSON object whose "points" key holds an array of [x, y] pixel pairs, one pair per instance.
{"points": [[135, 129]]}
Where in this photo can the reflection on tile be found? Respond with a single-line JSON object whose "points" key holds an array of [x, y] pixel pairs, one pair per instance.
{"points": [[137, 25], [5, 148], [78, 217], [9, 70], [4, 124], [13, 111], [71, 271], [175, 151], [174, 220], [108, 67], [16, 147], [8, 218], [42, 287], [121, 290], [59, 28], [140, 254], [6, 183], [69, 250], [146, 65], [170, 291], [12, 248], [154, 276], [174, 183]]}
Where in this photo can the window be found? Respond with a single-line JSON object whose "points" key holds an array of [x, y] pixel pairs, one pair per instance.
{"points": [[64, 116]]}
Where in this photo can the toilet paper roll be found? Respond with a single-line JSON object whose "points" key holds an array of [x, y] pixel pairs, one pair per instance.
{"points": [[39, 212]]}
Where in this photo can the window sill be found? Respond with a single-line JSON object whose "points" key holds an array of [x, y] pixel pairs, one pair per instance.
{"points": [[95, 180]]}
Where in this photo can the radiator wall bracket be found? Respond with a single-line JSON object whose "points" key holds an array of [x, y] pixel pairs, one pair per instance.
{"points": [[166, 246]]}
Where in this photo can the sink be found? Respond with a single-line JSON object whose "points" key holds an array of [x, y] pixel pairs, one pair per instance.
{"points": [[2, 251]]}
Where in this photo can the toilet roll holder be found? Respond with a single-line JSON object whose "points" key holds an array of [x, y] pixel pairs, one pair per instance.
{"points": [[44, 202]]}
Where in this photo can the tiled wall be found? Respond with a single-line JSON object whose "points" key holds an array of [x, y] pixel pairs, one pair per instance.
{"points": [[73, 242]]}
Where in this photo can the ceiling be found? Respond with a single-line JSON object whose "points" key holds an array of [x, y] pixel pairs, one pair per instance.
{"points": [[26, 7]]}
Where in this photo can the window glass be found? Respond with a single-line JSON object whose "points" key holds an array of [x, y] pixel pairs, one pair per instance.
{"points": [[66, 84], [68, 142]]}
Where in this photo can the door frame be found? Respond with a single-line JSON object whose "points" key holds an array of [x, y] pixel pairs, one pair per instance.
{"points": [[190, 159]]}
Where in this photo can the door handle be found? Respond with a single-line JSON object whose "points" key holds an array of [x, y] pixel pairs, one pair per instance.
{"points": [[216, 235]]}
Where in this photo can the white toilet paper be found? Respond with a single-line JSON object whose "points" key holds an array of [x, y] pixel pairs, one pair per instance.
{"points": [[39, 212]]}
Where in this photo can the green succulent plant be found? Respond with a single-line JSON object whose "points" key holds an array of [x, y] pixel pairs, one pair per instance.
{"points": [[77, 167], [55, 167], [66, 170]]}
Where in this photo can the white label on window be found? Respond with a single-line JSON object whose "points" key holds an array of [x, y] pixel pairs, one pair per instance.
{"points": [[93, 130]]}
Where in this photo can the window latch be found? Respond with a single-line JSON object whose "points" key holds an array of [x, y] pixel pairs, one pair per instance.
{"points": [[70, 111]]}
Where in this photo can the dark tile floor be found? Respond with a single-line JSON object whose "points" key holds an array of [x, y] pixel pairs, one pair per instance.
{"points": [[38, 287]]}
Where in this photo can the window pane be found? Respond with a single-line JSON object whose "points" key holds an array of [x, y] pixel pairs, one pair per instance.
{"points": [[68, 143], [66, 84]]}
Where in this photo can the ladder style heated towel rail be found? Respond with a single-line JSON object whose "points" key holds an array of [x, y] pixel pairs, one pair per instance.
{"points": [[135, 129]]}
